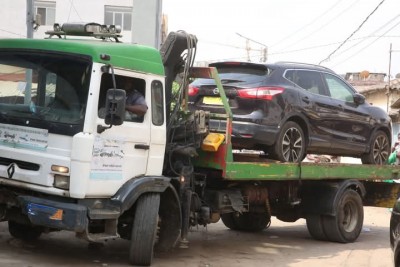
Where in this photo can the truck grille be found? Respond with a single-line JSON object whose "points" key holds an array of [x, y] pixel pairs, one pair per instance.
{"points": [[21, 164]]}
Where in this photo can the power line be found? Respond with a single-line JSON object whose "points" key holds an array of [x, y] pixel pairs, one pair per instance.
{"points": [[221, 44], [345, 10], [304, 48], [18, 34], [250, 39], [248, 49], [300, 49], [76, 11], [310, 23], [360, 50], [359, 27], [364, 39], [341, 13]]}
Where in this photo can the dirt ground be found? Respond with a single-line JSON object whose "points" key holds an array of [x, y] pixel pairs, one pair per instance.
{"points": [[283, 244]]}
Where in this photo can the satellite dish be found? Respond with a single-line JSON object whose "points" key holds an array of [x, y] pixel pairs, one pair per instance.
{"points": [[364, 74]]}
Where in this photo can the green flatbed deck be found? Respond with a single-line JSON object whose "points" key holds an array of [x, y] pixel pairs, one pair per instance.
{"points": [[243, 166]]}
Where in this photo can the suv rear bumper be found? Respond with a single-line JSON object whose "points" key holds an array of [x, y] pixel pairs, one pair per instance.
{"points": [[247, 134]]}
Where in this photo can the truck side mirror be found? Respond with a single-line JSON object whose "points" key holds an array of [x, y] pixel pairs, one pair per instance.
{"points": [[115, 106]]}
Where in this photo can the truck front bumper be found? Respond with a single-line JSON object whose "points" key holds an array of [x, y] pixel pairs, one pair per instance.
{"points": [[55, 214]]}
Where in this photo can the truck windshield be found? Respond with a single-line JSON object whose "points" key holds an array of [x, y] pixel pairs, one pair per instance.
{"points": [[44, 90]]}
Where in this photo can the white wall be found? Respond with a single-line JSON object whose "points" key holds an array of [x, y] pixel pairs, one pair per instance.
{"points": [[13, 19]]}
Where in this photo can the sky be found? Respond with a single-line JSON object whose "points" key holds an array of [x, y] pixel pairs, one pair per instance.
{"points": [[344, 35]]}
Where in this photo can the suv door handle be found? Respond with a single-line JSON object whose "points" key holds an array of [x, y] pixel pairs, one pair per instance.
{"points": [[341, 107], [306, 99], [142, 146]]}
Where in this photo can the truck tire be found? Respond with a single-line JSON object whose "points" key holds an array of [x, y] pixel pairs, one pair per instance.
{"points": [[228, 219], [315, 227], [247, 222], [379, 149], [24, 231], [291, 144], [345, 226], [144, 230]]}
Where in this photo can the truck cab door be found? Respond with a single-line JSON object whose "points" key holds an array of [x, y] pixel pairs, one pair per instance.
{"points": [[123, 150]]}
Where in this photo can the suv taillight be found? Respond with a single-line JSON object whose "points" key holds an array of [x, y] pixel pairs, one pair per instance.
{"points": [[193, 90], [265, 93]]}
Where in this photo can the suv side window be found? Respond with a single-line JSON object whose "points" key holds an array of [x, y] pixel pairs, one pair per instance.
{"points": [[310, 81], [338, 89]]}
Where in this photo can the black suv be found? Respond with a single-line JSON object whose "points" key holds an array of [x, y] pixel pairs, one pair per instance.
{"points": [[291, 109]]}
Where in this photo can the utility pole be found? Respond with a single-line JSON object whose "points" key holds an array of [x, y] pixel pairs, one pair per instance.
{"points": [[264, 51], [29, 18], [248, 48], [264, 54], [389, 92], [148, 13], [29, 34], [390, 67]]}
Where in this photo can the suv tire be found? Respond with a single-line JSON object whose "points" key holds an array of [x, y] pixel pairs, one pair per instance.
{"points": [[291, 145], [379, 149]]}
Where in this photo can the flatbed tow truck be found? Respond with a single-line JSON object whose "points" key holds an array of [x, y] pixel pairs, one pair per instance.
{"points": [[70, 158]]}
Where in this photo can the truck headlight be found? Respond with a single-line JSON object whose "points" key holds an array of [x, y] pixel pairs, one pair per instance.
{"points": [[61, 181], [58, 168]]}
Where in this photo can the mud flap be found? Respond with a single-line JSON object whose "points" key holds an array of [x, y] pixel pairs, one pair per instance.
{"points": [[381, 194]]}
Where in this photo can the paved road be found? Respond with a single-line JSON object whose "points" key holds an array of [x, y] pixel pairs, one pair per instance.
{"points": [[283, 244]]}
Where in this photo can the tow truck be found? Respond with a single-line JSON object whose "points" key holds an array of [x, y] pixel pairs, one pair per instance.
{"points": [[72, 159]]}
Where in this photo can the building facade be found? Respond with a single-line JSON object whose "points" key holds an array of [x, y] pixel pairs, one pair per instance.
{"points": [[380, 93], [14, 13]]}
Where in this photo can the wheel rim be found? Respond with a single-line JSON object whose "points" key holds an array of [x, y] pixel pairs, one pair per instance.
{"points": [[380, 150], [350, 217], [292, 145]]}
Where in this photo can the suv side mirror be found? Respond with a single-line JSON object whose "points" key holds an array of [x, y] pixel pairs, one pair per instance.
{"points": [[359, 99], [115, 106]]}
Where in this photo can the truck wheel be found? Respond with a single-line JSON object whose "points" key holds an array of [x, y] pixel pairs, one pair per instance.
{"points": [[345, 226], [315, 227], [24, 231], [379, 150], [228, 219], [144, 230], [290, 145], [248, 221]]}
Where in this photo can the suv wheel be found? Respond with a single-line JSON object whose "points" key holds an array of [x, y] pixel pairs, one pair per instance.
{"points": [[290, 146], [379, 149]]}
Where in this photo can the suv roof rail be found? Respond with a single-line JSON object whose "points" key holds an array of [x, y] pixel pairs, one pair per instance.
{"points": [[301, 63]]}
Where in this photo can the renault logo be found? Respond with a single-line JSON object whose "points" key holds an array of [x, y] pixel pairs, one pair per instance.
{"points": [[215, 91], [11, 170]]}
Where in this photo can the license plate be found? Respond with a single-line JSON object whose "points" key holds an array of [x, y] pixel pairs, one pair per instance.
{"points": [[212, 100]]}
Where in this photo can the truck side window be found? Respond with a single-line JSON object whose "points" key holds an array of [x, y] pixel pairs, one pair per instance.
{"points": [[157, 103], [135, 94]]}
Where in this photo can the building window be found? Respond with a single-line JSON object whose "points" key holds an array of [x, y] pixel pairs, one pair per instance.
{"points": [[117, 15], [47, 12]]}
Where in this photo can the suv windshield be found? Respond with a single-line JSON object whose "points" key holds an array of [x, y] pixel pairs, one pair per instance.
{"points": [[233, 74], [242, 74], [42, 90]]}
